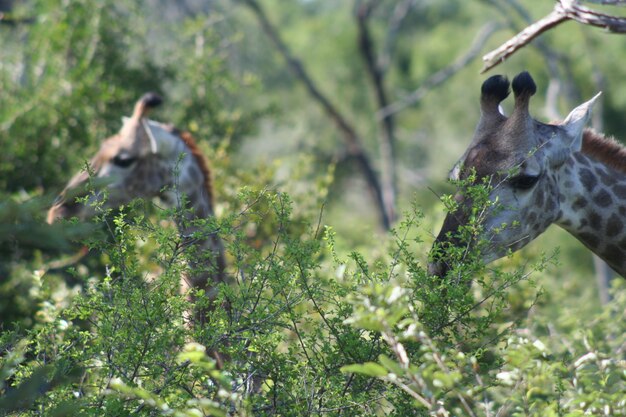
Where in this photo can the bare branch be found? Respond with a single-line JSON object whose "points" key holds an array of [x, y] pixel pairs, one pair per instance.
{"points": [[524, 37], [442, 75], [584, 15], [564, 10], [351, 137]]}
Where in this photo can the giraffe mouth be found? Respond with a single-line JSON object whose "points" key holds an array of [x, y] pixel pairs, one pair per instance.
{"points": [[67, 204]]}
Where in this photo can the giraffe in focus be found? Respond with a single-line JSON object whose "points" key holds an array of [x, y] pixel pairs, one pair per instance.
{"points": [[147, 159], [561, 173]]}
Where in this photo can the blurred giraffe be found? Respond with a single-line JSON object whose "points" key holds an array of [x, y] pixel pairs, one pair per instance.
{"points": [[148, 159]]}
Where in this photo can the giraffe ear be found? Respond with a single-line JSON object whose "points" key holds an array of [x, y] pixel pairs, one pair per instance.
{"points": [[165, 143], [572, 128], [574, 123]]}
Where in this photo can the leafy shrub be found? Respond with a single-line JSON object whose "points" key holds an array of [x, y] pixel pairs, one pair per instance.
{"points": [[456, 350]]}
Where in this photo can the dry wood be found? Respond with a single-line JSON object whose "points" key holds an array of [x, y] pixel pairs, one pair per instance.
{"points": [[563, 11]]}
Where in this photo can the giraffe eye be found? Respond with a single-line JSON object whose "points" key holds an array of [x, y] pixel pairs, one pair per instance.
{"points": [[123, 160], [523, 182]]}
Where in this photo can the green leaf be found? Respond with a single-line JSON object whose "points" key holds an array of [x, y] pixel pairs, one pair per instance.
{"points": [[368, 368], [390, 364]]}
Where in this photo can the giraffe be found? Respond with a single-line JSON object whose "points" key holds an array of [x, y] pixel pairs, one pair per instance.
{"points": [[561, 173], [148, 159]]}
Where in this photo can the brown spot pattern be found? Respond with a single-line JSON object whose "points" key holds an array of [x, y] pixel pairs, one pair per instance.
{"points": [[614, 226], [579, 203], [603, 198], [595, 220], [620, 191], [588, 179]]}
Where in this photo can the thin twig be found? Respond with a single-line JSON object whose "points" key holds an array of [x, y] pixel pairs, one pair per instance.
{"points": [[524, 37]]}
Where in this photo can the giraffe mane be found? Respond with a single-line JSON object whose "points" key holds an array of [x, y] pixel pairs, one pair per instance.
{"points": [[200, 159], [604, 149]]}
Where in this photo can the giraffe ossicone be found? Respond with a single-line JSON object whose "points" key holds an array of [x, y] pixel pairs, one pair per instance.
{"points": [[541, 174]]}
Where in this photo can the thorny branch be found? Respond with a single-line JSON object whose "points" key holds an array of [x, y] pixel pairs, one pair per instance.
{"points": [[563, 11], [351, 137]]}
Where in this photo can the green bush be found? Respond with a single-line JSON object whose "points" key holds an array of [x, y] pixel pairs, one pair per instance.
{"points": [[309, 331], [458, 348]]}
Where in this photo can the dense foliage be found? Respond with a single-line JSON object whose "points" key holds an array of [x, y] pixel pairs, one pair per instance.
{"points": [[329, 313]]}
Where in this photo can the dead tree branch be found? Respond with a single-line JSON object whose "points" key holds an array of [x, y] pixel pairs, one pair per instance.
{"points": [[442, 75], [387, 138], [352, 139], [563, 11]]}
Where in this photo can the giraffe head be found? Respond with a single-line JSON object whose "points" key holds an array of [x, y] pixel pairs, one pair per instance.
{"points": [[521, 159], [136, 162]]}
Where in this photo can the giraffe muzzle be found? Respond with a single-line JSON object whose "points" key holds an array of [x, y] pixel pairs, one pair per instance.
{"points": [[62, 210]]}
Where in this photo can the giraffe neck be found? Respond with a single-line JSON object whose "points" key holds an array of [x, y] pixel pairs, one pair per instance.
{"points": [[593, 205], [194, 199]]}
